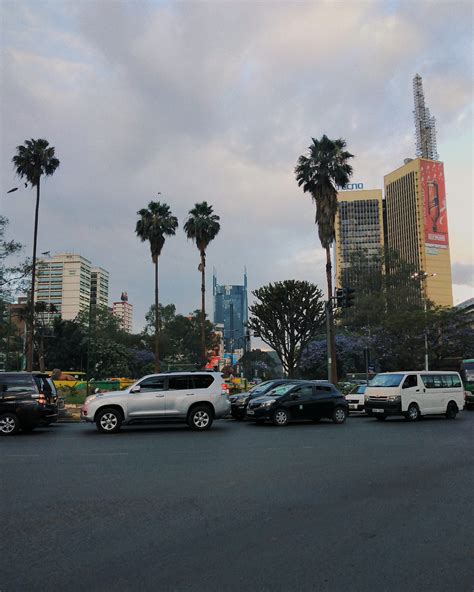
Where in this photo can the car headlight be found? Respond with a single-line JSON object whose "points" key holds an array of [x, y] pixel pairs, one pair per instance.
{"points": [[394, 398], [89, 399], [268, 403]]}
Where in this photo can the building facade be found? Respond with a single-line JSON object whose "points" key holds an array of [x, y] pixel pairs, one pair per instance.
{"points": [[123, 310], [417, 224], [71, 283], [359, 234], [231, 311], [99, 286]]}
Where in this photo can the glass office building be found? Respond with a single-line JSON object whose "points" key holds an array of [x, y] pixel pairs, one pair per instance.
{"points": [[231, 312]]}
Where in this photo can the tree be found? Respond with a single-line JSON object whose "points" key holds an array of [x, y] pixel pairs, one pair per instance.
{"points": [[33, 160], [350, 350], [45, 313], [202, 227], [154, 225], [320, 173], [260, 364], [286, 316]]}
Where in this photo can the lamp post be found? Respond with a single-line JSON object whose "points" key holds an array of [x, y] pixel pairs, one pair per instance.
{"points": [[422, 276]]}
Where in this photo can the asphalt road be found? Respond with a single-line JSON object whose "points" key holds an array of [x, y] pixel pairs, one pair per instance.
{"points": [[365, 506]]}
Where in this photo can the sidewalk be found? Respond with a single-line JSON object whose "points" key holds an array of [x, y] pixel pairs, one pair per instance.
{"points": [[70, 413]]}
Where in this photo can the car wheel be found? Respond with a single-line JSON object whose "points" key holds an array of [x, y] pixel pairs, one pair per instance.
{"points": [[452, 410], [281, 417], [109, 421], [9, 424], [339, 415], [413, 413], [200, 418]]}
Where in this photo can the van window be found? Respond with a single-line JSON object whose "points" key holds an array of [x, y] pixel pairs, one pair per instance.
{"points": [[456, 380], [386, 380], [410, 381], [428, 380]]}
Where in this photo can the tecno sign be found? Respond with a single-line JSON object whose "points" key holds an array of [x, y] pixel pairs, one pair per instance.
{"points": [[351, 187]]}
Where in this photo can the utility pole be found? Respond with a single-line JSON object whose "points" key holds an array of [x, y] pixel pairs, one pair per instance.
{"points": [[422, 276]]}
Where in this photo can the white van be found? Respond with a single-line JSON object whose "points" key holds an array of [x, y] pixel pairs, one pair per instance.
{"points": [[413, 394]]}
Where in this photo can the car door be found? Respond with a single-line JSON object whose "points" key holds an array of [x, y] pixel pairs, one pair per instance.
{"points": [[299, 402], [149, 401], [323, 401], [179, 395], [414, 392]]}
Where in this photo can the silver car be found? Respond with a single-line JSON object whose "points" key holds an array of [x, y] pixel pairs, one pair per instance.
{"points": [[194, 397]]}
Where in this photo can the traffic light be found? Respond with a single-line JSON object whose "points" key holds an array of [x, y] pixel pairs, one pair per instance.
{"points": [[339, 297], [348, 297]]}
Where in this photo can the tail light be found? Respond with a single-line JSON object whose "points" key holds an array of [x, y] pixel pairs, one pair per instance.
{"points": [[224, 389]]}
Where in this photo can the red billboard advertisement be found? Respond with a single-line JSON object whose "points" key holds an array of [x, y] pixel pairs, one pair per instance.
{"points": [[434, 204]]}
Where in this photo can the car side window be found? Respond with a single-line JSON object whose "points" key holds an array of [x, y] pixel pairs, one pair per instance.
{"points": [[456, 381], [303, 392], [203, 381], [152, 384], [428, 381], [410, 381], [180, 383]]}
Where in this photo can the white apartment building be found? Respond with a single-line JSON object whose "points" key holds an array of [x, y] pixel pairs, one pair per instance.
{"points": [[65, 281], [123, 310], [99, 286]]}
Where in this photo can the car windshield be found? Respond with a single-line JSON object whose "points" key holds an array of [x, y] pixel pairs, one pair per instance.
{"points": [[259, 388], [386, 380], [361, 389], [278, 391]]}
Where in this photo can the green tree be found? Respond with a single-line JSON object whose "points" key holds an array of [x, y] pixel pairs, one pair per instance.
{"points": [[286, 316], [260, 364], [320, 173], [202, 227], [154, 225], [34, 159]]}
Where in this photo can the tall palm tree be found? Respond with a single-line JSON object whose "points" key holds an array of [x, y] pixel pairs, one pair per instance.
{"points": [[154, 225], [33, 160], [320, 173], [202, 227]]}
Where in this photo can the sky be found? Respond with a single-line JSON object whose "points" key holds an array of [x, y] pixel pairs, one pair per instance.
{"points": [[215, 101]]}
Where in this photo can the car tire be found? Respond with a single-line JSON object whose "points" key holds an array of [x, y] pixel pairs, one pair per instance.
{"points": [[109, 420], [200, 418], [451, 410], [339, 415], [413, 413], [9, 424], [281, 417]]}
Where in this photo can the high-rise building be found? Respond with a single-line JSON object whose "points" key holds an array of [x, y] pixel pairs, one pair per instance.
{"points": [[71, 283], [425, 124], [99, 286], [231, 311], [123, 310], [359, 234], [417, 224]]}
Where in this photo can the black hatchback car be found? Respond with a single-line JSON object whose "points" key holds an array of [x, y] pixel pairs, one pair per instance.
{"points": [[239, 402], [302, 400]]}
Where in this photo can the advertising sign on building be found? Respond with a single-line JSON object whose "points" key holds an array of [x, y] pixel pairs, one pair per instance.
{"points": [[434, 205]]}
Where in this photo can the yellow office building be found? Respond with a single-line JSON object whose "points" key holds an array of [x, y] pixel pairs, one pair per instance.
{"points": [[359, 231], [417, 225]]}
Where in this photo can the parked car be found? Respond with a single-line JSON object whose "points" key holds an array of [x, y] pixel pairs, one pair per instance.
{"points": [[196, 398], [239, 402], [39, 383], [355, 399], [302, 400], [414, 394], [21, 405]]}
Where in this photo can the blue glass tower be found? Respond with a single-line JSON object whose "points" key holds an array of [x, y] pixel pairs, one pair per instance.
{"points": [[231, 311]]}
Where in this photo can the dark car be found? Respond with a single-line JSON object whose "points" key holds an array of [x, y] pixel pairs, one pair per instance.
{"points": [[239, 402], [39, 383], [21, 405], [302, 400]]}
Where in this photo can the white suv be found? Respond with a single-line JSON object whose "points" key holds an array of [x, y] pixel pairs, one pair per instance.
{"points": [[195, 397]]}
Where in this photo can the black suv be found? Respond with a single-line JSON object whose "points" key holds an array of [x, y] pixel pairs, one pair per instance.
{"points": [[240, 402], [301, 400], [30, 397]]}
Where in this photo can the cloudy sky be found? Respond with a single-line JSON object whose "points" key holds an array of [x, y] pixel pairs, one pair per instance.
{"points": [[215, 101]]}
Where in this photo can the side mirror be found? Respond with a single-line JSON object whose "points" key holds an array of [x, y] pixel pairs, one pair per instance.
{"points": [[135, 389]]}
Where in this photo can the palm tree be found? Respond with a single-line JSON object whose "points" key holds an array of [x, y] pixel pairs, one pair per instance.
{"points": [[202, 227], [154, 225], [321, 172], [33, 160]]}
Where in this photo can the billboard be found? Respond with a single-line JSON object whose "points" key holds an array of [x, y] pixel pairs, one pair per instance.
{"points": [[434, 205]]}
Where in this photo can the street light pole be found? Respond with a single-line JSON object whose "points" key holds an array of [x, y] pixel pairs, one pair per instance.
{"points": [[422, 276]]}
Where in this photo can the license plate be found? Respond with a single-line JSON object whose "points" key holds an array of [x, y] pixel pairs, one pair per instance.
{"points": [[352, 406], [378, 410], [250, 412]]}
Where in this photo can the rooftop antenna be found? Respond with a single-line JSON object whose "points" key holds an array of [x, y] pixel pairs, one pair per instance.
{"points": [[425, 128]]}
